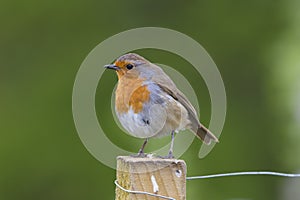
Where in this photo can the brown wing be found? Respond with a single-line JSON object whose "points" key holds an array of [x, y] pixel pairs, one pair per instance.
{"points": [[168, 86], [181, 98]]}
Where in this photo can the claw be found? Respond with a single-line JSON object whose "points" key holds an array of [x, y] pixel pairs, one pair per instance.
{"points": [[139, 155], [169, 156]]}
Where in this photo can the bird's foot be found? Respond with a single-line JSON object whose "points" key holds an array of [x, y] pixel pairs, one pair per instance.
{"points": [[139, 155], [169, 156]]}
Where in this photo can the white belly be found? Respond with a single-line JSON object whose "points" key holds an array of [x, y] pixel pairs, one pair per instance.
{"points": [[155, 120]]}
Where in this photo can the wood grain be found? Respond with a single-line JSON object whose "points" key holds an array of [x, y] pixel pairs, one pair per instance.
{"points": [[154, 175]]}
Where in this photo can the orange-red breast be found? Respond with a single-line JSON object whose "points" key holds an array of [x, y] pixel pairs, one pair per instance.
{"points": [[148, 103]]}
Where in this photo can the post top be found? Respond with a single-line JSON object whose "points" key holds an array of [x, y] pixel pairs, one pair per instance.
{"points": [[149, 159]]}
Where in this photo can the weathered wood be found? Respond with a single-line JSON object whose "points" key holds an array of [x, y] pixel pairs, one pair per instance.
{"points": [[165, 177]]}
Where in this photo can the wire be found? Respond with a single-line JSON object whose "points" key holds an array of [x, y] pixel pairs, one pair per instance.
{"points": [[212, 176], [142, 192], [244, 173]]}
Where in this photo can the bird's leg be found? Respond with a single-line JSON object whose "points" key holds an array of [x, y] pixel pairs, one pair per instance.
{"points": [[170, 155], [141, 151]]}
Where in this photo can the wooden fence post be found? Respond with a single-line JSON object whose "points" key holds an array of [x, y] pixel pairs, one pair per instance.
{"points": [[165, 177]]}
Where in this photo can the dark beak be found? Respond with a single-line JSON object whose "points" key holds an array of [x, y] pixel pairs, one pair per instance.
{"points": [[112, 66]]}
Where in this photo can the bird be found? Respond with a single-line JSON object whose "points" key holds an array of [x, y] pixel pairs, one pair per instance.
{"points": [[149, 105]]}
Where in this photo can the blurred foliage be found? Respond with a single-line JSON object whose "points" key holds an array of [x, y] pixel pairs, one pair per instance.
{"points": [[44, 42]]}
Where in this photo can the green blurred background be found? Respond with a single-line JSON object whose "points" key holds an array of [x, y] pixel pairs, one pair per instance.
{"points": [[255, 44]]}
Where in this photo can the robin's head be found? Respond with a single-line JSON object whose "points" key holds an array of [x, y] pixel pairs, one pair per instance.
{"points": [[127, 63]]}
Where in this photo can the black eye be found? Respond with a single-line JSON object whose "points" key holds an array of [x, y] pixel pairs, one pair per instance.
{"points": [[129, 66]]}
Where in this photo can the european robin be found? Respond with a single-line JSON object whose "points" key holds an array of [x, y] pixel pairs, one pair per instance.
{"points": [[148, 104]]}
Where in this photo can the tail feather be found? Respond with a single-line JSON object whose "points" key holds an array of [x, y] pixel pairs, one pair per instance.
{"points": [[205, 135]]}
